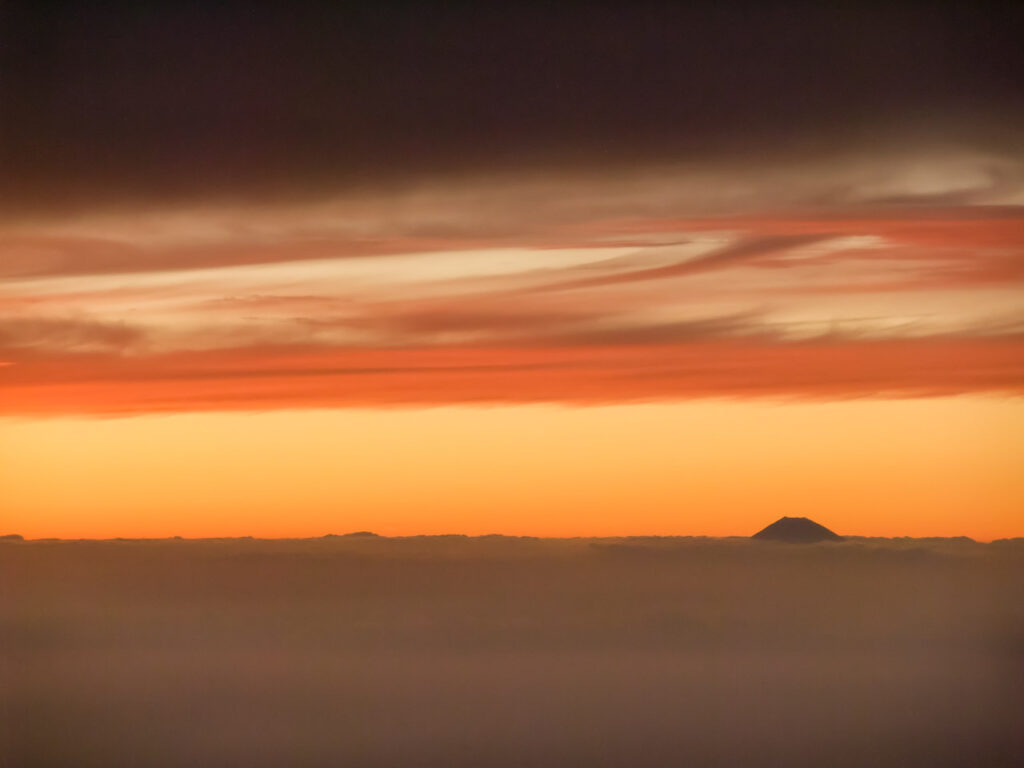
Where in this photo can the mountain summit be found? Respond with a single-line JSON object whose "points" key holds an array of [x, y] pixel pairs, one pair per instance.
{"points": [[796, 530]]}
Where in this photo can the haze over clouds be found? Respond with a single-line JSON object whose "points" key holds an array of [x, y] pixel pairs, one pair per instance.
{"points": [[455, 651]]}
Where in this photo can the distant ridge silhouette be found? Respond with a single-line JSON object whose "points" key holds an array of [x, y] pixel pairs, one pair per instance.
{"points": [[796, 530]]}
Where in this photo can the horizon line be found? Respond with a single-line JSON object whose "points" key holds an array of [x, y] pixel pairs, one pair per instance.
{"points": [[370, 535]]}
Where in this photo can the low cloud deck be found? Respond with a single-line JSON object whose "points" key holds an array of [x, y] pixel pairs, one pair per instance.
{"points": [[501, 651]]}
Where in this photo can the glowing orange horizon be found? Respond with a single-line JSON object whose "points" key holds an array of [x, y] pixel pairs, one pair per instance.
{"points": [[937, 467], [508, 355]]}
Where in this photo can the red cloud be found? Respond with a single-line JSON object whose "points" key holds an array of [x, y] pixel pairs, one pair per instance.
{"points": [[529, 343], [44, 256], [312, 377], [983, 226]]}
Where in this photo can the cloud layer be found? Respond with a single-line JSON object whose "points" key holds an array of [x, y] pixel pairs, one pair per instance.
{"points": [[871, 276]]}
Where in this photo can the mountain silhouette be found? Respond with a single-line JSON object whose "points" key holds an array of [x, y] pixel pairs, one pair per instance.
{"points": [[796, 530]]}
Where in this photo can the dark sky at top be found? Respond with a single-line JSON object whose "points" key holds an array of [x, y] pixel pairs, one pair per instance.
{"points": [[184, 101]]}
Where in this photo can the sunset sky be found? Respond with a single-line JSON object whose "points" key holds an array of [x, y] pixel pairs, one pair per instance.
{"points": [[552, 273]]}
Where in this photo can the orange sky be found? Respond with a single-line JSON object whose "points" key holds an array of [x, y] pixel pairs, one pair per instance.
{"points": [[941, 466], [673, 351]]}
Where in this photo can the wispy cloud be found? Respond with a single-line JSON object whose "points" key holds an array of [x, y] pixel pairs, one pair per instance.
{"points": [[255, 378], [735, 253], [854, 281], [69, 335]]}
